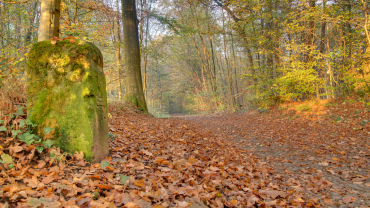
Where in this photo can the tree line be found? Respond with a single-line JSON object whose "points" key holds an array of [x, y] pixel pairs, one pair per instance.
{"points": [[210, 55]]}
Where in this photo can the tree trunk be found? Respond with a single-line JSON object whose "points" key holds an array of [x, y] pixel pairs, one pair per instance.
{"points": [[229, 78], [32, 22], [49, 21], [133, 84], [2, 28], [322, 45], [118, 55], [310, 41], [323, 28]]}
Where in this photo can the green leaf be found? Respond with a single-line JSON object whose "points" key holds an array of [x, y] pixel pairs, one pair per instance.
{"points": [[112, 136], [3, 128], [29, 142], [40, 149], [1, 121], [26, 137], [48, 143], [19, 111], [37, 139], [124, 178], [3, 61], [16, 132], [7, 158], [104, 164], [29, 122], [22, 123], [47, 130], [11, 166]]}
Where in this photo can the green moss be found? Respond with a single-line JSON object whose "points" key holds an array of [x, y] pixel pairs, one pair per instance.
{"points": [[66, 91], [135, 100]]}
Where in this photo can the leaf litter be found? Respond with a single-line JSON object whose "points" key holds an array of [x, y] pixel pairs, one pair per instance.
{"points": [[241, 160]]}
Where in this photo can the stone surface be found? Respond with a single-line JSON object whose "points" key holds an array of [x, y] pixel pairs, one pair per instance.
{"points": [[66, 90]]}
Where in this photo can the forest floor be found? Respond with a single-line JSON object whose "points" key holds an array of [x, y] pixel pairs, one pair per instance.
{"points": [[313, 154]]}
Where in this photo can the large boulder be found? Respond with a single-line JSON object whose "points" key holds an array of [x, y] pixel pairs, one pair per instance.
{"points": [[66, 90]]}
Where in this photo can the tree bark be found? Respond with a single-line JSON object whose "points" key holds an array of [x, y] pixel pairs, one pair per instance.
{"points": [[49, 21], [311, 31], [133, 83], [118, 55]]}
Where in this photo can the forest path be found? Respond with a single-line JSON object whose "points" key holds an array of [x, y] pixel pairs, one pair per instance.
{"points": [[276, 159], [324, 160]]}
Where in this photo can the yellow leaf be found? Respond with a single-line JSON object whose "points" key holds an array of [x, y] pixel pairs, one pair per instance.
{"points": [[138, 183]]}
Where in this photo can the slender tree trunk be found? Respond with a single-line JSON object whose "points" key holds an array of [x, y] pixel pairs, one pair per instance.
{"points": [[323, 28], [322, 43], [32, 23], [214, 74], [118, 54], [366, 22], [146, 55], [329, 65], [18, 31], [240, 30], [133, 86], [2, 28], [49, 21], [229, 79], [311, 31], [237, 99], [201, 62]]}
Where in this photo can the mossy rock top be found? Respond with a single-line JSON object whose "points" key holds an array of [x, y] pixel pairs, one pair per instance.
{"points": [[66, 91]]}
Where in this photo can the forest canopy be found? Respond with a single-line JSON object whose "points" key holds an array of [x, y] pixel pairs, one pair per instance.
{"points": [[209, 56]]}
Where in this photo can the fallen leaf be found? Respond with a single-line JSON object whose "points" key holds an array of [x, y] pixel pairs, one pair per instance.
{"points": [[48, 180], [79, 155], [146, 152], [16, 149], [41, 164], [273, 194], [132, 205], [124, 178], [81, 162], [7, 158], [349, 199], [323, 164], [104, 164]]}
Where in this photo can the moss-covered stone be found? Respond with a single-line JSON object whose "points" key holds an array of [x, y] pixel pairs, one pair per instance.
{"points": [[66, 90]]}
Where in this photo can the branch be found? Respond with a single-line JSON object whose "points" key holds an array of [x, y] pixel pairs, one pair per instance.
{"points": [[228, 10]]}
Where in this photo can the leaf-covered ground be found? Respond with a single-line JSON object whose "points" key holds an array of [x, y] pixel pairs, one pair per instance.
{"points": [[308, 156]]}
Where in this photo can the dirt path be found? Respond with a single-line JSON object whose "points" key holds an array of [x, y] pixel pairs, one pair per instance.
{"points": [[324, 161], [252, 159]]}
